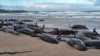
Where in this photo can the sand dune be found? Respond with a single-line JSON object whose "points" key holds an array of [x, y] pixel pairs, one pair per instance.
{"points": [[12, 43]]}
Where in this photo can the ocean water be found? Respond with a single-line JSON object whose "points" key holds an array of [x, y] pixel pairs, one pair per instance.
{"points": [[59, 19]]}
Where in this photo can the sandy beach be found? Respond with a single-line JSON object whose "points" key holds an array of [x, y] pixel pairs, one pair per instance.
{"points": [[48, 19], [25, 45]]}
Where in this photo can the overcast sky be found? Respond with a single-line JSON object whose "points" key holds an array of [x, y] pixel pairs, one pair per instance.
{"points": [[25, 2], [53, 4]]}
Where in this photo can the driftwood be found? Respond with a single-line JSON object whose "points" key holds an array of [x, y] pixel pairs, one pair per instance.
{"points": [[12, 53]]}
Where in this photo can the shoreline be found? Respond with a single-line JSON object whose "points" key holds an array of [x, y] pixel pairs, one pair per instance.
{"points": [[13, 43]]}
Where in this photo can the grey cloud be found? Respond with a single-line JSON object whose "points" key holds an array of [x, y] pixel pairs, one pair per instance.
{"points": [[96, 2]]}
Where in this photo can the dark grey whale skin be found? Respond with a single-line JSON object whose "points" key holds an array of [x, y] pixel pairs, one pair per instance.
{"points": [[11, 31], [83, 39], [79, 27], [27, 31], [49, 38]]}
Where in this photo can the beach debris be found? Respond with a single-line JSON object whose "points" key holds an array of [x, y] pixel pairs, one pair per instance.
{"points": [[13, 53]]}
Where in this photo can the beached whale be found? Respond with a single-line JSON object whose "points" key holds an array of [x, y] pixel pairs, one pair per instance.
{"points": [[1, 24], [25, 31], [11, 31], [75, 42], [49, 38], [38, 30], [27, 20], [11, 19], [82, 44], [79, 27], [24, 25], [88, 34], [19, 26], [63, 32]]}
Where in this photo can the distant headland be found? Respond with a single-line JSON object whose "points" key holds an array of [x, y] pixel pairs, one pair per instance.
{"points": [[12, 11]]}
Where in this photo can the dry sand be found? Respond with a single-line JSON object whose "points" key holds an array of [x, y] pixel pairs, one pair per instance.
{"points": [[13, 43]]}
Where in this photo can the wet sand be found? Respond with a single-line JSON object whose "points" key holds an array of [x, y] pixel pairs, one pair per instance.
{"points": [[36, 47]]}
